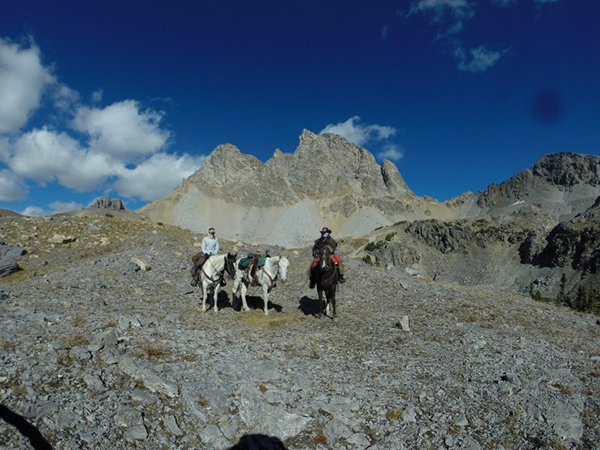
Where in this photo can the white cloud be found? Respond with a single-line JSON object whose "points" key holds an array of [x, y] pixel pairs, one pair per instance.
{"points": [[23, 79], [120, 146], [46, 156], [477, 59], [122, 131], [359, 133], [60, 207], [156, 176], [392, 152], [11, 187]]}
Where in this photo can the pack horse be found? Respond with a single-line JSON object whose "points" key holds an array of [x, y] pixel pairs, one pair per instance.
{"points": [[275, 268]]}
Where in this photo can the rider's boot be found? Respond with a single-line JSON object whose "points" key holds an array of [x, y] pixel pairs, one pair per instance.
{"points": [[341, 272]]}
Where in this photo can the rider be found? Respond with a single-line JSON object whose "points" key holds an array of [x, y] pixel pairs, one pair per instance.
{"points": [[210, 246], [326, 241]]}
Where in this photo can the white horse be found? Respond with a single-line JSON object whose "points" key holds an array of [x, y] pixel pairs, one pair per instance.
{"points": [[276, 267], [212, 272]]}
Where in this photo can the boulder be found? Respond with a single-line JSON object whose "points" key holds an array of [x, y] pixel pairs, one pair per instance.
{"points": [[9, 257]]}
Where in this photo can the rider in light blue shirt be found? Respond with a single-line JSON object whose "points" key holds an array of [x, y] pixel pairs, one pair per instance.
{"points": [[210, 244]]}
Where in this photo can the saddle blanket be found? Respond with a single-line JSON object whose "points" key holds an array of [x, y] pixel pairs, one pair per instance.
{"points": [[334, 259]]}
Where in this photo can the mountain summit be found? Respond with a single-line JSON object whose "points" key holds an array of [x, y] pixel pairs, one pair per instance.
{"points": [[286, 200]]}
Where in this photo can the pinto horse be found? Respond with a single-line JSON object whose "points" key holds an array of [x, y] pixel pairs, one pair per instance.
{"points": [[276, 267], [326, 278], [212, 273]]}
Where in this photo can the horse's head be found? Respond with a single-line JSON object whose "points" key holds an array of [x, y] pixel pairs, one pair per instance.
{"points": [[324, 258], [284, 265], [230, 264]]}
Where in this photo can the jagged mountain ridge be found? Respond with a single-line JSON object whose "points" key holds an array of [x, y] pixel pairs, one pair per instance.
{"points": [[326, 181], [330, 181]]}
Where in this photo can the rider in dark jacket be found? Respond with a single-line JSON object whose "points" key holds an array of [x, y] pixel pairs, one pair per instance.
{"points": [[326, 241]]}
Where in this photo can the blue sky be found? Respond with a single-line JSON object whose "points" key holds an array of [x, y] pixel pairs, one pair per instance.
{"points": [[125, 99]]}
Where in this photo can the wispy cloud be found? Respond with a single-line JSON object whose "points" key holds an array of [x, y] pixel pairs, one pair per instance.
{"points": [[359, 133], [477, 59], [449, 17], [60, 207], [392, 152], [121, 147], [385, 31]]}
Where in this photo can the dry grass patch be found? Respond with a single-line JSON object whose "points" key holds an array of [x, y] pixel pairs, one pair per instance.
{"points": [[76, 340], [6, 345], [152, 350]]}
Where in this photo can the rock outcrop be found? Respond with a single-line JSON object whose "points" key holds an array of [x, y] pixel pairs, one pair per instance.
{"points": [[108, 203]]}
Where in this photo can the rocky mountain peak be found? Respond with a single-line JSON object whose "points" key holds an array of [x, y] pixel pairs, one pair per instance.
{"points": [[327, 180], [568, 169]]}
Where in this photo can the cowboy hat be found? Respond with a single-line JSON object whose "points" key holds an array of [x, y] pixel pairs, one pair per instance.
{"points": [[325, 230]]}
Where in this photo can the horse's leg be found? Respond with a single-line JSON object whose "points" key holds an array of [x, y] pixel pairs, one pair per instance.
{"points": [[321, 306], [328, 302], [204, 295], [331, 294], [266, 298], [234, 291], [244, 291], [216, 295]]}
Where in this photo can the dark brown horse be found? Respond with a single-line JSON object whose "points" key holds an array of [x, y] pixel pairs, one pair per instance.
{"points": [[326, 279]]}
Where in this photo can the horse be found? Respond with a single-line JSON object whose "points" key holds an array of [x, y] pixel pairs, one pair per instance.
{"points": [[212, 273], [326, 279], [276, 267]]}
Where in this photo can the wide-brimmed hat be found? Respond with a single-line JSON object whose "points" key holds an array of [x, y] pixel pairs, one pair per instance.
{"points": [[325, 230]]}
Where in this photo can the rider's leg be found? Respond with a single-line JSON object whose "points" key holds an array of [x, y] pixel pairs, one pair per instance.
{"points": [[341, 271]]}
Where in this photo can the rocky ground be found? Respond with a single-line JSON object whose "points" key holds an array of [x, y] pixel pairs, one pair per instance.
{"points": [[103, 345]]}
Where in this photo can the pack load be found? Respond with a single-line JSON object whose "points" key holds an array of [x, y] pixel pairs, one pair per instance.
{"points": [[245, 262]]}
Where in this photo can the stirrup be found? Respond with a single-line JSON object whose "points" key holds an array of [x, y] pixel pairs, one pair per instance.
{"points": [[342, 279]]}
